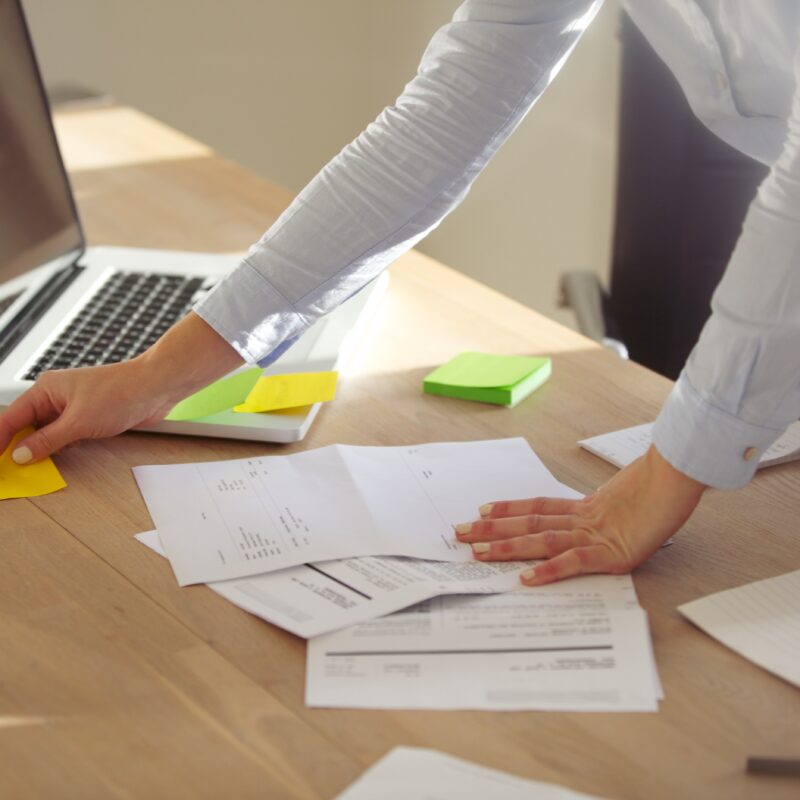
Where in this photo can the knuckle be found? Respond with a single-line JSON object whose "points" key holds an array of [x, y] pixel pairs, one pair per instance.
{"points": [[500, 508], [532, 522], [506, 547], [547, 569], [550, 540], [42, 440], [45, 379]]}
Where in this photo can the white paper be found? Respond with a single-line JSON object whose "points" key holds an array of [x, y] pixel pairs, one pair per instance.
{"points": [[760, 621], [580, 645], [411, 773], [620, 448], [319, 598], [229, 519]]}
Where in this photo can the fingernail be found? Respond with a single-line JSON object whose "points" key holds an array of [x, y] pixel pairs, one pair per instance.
{"points": [[486, 509], [463, 529], [22, 455], [481, 547], [528, 575]]}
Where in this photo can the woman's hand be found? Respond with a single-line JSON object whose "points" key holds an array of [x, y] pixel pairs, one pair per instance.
{"points": [[613, 530], [95, 402]]}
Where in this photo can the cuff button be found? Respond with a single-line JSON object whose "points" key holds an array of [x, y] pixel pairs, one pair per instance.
{"points": [[750, 453]]}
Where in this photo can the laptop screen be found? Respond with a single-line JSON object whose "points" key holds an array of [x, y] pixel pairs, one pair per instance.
{"points": [[38, 221]]}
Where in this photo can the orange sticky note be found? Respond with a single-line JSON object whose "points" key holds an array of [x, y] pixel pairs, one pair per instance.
{"points": [[27, 480]]}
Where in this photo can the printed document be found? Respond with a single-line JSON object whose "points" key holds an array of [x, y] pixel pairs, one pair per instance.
{"points": [[620, 448], [318, 598], [582, 645], [229, 519], [411, 773], [760, 621]]}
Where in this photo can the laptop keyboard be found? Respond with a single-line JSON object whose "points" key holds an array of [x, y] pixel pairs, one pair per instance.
{"points": [[129, 313]]}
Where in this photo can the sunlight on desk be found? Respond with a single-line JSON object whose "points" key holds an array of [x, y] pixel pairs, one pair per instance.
{"points": [[21, 722], [121, 137]]}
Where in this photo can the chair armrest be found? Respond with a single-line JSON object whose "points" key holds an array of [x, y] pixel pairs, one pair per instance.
{"points": [[582, 291]]}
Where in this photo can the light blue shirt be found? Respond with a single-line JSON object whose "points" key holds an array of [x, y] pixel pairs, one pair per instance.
{"points": [[739, 66]]}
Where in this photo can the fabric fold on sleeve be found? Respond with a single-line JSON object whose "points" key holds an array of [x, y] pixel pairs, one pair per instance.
{"points": [[707, 443], [392, 185], [741, 385]]}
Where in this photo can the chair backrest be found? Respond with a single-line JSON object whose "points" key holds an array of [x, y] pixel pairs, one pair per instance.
{"points": [[682, 194]]}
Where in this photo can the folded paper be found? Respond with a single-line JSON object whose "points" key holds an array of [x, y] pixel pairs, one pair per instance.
{"points": [[27, 480], [486, 378], [274, 392]]}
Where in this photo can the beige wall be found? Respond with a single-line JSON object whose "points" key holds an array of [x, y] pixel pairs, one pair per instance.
{"points": [[282, 85]]}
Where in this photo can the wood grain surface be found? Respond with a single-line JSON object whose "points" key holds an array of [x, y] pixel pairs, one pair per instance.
{"points": [[115, 683]]}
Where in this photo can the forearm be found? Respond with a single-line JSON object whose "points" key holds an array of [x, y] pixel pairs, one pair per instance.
{"points": [[740, 388], [392, 185], [186, 358]]}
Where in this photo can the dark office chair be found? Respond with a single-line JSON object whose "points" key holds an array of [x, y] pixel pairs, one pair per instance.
{"points": [[682, 195]]}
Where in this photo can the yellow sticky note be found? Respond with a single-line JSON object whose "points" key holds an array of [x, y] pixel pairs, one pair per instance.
{"points": [[27, 480], [273, 392], [218, 396]]}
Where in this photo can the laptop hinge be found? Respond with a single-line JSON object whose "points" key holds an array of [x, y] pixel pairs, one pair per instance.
{"points": [[36, 307]]}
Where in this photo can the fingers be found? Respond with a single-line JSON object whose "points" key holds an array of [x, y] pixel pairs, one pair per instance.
{"points": [[31, 408], [535, 505], [44, 442], [487, 530], [539, 545], [20, 414], [578, 561]]}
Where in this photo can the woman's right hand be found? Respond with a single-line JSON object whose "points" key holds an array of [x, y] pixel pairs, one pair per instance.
{"points": [[96, 402]]}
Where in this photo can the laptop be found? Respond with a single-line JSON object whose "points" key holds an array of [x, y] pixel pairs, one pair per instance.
{"points": [[65, 305]]}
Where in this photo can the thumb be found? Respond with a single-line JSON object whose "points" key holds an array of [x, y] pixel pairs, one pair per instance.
{"points": [[44, 442]]}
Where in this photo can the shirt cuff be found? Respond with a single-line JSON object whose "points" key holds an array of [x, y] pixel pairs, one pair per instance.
{"points": [[706, 443], [250, 314]]}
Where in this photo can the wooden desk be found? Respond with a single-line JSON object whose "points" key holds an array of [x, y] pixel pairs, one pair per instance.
{"points": [[116, 683]]}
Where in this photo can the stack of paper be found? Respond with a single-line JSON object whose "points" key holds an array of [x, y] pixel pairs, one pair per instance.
{"points": [[761, 621], [620, 448], [319, 598], [410, 773], [340, 536], [231, 519], [503, 380], [582, 645]]}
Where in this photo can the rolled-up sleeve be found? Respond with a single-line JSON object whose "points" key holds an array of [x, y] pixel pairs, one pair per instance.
{"points": [[740, 388], [386, 190]]}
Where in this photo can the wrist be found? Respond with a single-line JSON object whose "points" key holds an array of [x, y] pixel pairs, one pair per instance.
{"points": [[186, 358], [669, 478]]}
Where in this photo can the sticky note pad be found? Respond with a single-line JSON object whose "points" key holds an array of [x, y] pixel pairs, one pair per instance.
{"points": [[218, 396], [274, 392], [486, 378], [27, 480]]}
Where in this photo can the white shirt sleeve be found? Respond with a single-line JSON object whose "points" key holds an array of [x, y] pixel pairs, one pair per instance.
{"points": [[740, 388], [386, 190]]}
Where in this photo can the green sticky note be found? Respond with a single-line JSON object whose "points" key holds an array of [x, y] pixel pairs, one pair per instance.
{"points": [[486, 378], [218, 396]]}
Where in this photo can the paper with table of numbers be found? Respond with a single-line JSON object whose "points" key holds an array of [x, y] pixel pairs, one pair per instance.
{"points": [[620, 448], [760, 621], [229, 519], [412, 773], [580, 645], [313, 599]]}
